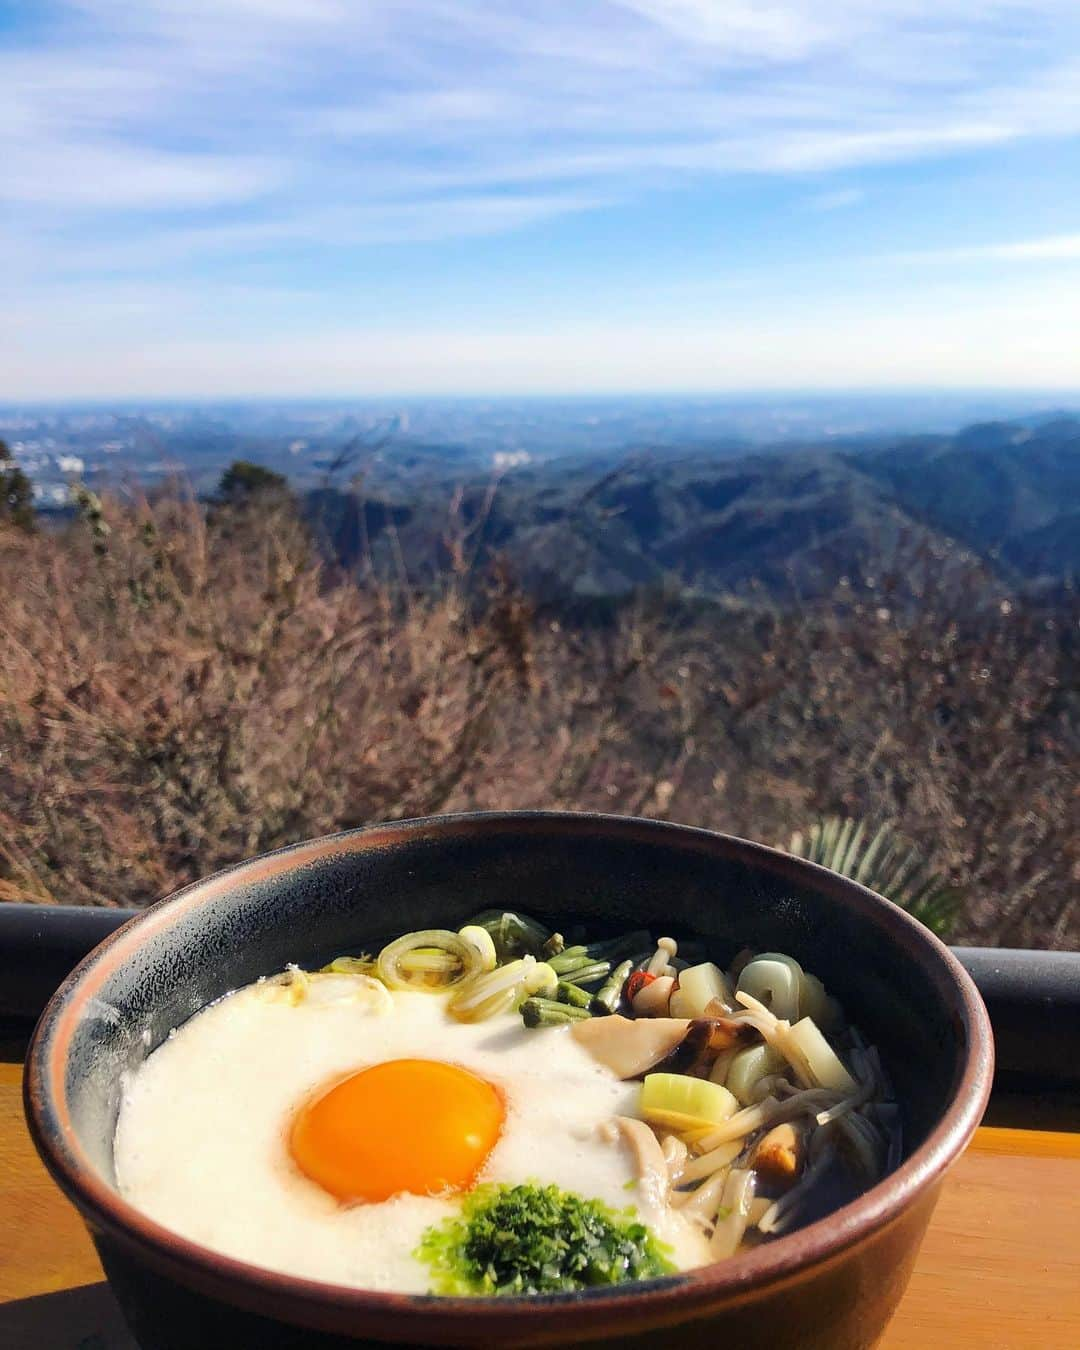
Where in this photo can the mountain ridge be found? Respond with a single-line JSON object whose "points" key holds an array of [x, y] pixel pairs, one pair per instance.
{"points": [[792, 520]]}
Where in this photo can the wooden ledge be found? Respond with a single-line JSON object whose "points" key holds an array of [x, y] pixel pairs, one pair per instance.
{"points": [[1000, 1268]]}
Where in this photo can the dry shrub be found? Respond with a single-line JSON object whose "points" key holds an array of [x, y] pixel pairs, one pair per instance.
{"points": [[179, 691]]}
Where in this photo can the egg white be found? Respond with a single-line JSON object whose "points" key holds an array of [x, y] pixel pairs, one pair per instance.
{"points": [[201, 1135]]}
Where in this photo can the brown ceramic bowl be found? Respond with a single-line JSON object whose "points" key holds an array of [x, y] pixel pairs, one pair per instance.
{"points": [[830, 1286]]}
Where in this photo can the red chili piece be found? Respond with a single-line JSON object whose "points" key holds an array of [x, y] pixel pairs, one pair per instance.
{"points": [[636, 982]]}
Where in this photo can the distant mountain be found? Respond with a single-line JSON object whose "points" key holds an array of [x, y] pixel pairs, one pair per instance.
{"points": [[794, 521], [1008, 491]]}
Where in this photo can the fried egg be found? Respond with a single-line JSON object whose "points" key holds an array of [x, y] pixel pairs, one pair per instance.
{"points": [[319, 1129]]}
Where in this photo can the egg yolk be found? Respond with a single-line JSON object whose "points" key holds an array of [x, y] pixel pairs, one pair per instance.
{"points": [[406, 1125]]}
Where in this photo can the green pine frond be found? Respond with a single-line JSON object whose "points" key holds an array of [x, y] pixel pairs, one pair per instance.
{"points": [[883, 862]]}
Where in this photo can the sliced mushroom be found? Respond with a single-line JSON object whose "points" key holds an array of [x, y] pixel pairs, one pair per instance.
{"points": [[728, 1032], [737, 1030], [654, 1183], [735, 1205], [660, 964], [675, 1155], [779, 1155], [701, 1204], [706, 1041], [694, 1055], [630, 1048]]}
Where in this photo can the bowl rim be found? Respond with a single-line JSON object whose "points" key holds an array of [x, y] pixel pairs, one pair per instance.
{"points": [[441, 1319]]}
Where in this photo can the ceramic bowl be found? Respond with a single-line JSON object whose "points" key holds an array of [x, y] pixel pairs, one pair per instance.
{"points": [[830, 1286]]}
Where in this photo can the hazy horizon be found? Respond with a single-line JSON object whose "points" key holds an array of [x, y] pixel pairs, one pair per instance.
{"points": [[104, 440], [1019, 401]]}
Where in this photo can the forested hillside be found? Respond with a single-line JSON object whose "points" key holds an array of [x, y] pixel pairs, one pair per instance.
{"points": [[182, 686], [794, 521]]}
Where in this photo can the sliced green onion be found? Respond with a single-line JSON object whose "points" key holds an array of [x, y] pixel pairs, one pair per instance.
{"points": [[480, 939], [698, 987], [513, 934], [826, 1068], [774, 980], [350, 965], [492, 992], [813, 1000], [433, 960], [428, 961], [748, 1067], [541, 979]]}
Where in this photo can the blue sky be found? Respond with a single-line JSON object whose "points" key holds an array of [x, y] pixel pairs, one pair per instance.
{"points": [[214, 197]]}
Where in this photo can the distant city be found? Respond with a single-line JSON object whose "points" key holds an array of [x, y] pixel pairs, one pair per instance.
{"points": [[311, 442]]}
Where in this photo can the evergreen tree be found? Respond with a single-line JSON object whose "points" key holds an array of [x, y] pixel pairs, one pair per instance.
{"points": [[16, 493], [243, 480]]}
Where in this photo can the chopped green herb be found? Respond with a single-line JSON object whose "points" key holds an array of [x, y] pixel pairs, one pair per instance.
{"points": [[532, 1239]]}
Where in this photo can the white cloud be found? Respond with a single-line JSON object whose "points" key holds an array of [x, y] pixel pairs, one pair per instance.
{"points": [[173, 137], [840, 199], [349, 99], [809, 151], [1051, 248], [117, 177], [736, 28], [156, 248]]}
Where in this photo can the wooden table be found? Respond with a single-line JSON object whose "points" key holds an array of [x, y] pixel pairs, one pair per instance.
{"points": [[1000, 1268]]}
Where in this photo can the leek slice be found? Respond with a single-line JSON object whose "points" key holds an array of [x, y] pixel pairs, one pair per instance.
{"points": [[541, 979], [813, 1000], [721, 1065], [492, 992], [698, 986], [824, 1064], [326, 988], [774, 980], [748, 1067], [431, 960], [480, 939], [513, 934], [680, 1102], [334, 989], [350, 965]]}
